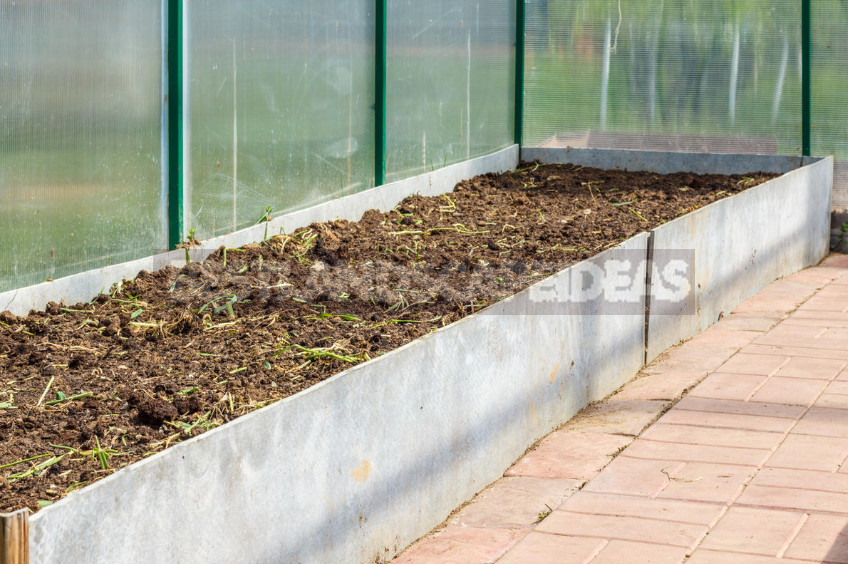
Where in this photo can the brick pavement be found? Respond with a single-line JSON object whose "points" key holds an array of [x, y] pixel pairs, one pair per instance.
{"points": [[730, 448]]}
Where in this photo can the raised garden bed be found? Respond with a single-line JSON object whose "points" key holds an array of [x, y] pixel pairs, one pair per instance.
{"points": [[342, 459]]}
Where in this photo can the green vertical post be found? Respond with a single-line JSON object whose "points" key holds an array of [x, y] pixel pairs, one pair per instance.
{"points": [[806, 76], [380, 104], [519, 72], [175, 104]]}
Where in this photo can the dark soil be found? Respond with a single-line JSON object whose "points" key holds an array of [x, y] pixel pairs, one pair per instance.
{"points": [[90, 388]]}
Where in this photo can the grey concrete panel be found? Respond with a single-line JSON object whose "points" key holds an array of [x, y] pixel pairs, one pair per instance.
{"points": [[359, 466], [742, 244], [664, 163]]}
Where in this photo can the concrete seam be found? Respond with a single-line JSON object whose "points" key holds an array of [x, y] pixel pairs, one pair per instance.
{"points": [[649, 267]]}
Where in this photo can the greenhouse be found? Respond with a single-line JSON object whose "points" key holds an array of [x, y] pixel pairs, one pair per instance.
{"points": [[423, 281]]}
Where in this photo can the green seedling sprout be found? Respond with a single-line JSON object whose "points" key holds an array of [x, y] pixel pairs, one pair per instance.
{"points": [[25, 460], [216, 309], [639, 215], [37, 469], [266, 218], [174, 285], [188, 243], [60, 398], [102, 455], [187, 428], [232, 250]]}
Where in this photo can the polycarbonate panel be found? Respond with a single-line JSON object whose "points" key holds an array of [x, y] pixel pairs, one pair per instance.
{"points": [[80, 120], [675, 75], [829, 95], [450, 82], [280, 98]]}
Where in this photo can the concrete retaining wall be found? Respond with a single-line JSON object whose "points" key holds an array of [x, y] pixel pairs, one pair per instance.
{"points": [[359, 466], [664, 163], [741, 245], [87, 285]]}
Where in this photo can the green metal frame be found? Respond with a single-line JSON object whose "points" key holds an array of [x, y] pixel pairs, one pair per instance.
{"points": [[806, 78], [519, 72], [175, 104], [380, 103]]}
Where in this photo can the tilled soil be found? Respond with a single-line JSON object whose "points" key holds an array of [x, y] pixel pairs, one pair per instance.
{"points": [[90, 388]]}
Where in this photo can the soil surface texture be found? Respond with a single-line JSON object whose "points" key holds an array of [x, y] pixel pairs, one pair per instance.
{"points": [[87, 389]]}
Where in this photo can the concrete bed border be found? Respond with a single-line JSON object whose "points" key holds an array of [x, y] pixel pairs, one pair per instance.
{"points": [[754, 238], [356, 468]]}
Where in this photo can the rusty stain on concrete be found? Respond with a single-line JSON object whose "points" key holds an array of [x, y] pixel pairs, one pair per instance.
{"points": [[363, 472]]}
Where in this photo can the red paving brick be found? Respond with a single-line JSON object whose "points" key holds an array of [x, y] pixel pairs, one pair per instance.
{"points": [[789, 391], [819, 317], [800, 499], [750, 321], [802, 479], [573, 455], [689, 434], [631, 476], [649, 508], [690, 359], [808, 452], [622, 528], [666, 386], [773, 532], [671, 479], [735, 407], [833, 401], [515, 503], [461, 545], [728, 386], [748, 467], [790, 334], [812, 319], [822, 538], [727, 420], [618, 551], [764, 365], [538, 548], [704, 556], [778, 297], [651, 450], [712, 483], [618, 417], [818, 368], [722, 338], [800, 350], [824, 422], [838, 387]]}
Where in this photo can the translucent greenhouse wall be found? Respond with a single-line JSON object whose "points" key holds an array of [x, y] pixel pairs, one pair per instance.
{"points": [[450, 82], [280, 98], [280, 103], [829, 131], [80, 136], [689, 75]]}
